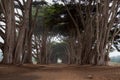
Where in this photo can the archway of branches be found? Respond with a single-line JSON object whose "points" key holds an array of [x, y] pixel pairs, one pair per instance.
{"points": [[87, 30]]}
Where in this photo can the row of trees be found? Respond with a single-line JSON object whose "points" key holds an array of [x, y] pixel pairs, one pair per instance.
{"points": [[88, 27], [94, 41], [17, 30]]}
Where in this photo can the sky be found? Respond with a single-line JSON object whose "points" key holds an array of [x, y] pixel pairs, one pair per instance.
{"points": [[114, 53]]}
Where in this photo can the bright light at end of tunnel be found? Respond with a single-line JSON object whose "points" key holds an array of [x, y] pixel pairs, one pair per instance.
{"points": [[59, 60]]}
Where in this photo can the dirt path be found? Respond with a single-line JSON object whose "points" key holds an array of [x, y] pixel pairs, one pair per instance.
{"points": [[58, 72]]}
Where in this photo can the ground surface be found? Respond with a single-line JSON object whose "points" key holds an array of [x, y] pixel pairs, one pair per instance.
{"points": [[58, 72]]}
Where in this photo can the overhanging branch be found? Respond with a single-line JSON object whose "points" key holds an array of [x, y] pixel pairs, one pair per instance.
{"points": [[2, 34]]}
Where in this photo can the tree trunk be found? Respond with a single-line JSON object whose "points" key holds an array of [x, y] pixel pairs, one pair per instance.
{"points": [[21, 37], [10, 31], [43, 49]]}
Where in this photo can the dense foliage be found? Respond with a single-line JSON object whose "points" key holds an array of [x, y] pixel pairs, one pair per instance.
{"points": [[88, 28]]}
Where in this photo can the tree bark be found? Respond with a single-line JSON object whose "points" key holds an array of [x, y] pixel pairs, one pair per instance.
{"points": [[21, 37], [10, 31]]}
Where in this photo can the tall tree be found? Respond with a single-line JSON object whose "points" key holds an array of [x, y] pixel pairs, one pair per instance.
{"points": [[21, 37], [97, 18], [8, 10]]}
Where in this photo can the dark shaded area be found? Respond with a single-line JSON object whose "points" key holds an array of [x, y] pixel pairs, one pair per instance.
{"points": [[16, 73], [59, 51], [58, 55]]}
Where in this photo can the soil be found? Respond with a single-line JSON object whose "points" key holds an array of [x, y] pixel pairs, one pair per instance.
{"points": [[58, 72]]}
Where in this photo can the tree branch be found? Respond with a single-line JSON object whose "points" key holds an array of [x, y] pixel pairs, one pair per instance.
{"points": [[2, 34]]}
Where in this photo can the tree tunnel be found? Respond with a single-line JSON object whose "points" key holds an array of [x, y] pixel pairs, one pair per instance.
{"points": [[58, 57], [59, 54]]}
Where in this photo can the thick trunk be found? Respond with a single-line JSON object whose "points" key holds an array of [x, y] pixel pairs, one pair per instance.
{"points": [[43, 51], [10, 32], [29, 33], [21, 37], [28, 54], [44, 47], [19, 47]]}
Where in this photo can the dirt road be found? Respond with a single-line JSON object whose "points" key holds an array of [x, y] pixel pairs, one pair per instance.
{"points": [[59, 72]]}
